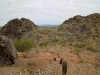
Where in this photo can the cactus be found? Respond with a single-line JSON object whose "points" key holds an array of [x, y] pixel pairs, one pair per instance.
{"points": [[64, 67]]}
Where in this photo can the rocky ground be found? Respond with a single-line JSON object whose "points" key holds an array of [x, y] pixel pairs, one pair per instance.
{"points": [[40, 61]]}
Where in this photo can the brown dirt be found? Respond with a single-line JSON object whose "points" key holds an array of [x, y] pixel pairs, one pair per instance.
{"points": [[42, 63]]}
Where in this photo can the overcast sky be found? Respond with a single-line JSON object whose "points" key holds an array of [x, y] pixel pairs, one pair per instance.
{"points": [[46, 11]]}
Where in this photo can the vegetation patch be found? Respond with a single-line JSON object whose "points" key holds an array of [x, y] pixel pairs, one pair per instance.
{"points": [[77, 50], [23, 45], [91, 48], [63, 43], [80, 45], [54, 40]]}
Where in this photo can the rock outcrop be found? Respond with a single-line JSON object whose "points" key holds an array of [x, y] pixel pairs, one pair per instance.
{"points": [[8, 53], [81, 26], [17, 27]]}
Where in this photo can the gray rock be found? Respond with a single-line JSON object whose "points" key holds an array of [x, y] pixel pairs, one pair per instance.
{"points": [[8, 53]]}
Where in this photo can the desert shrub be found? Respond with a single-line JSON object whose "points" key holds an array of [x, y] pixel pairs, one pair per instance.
{"points": [[70, 44], [45, 32], [23, 44], [80, 45], [91, 48], [61, 28], [70, 39], [77, 50], [54, 40], [44, 44], [63, 43]]}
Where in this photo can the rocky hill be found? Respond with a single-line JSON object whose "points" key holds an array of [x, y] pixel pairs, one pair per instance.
{"points": [[88, 25], [82, 28], [17, 27], [25, 29]]}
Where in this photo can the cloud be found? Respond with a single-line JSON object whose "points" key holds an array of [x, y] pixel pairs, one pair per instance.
{"points": [[46, 11]]}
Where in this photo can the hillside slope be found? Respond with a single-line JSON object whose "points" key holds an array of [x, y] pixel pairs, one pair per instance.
{"points": [[17, 27], [82, 29]]}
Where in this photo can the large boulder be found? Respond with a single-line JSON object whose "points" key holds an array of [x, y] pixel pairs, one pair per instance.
{"points": [[8, 53]]}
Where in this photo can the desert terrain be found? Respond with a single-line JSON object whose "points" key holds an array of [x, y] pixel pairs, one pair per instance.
{"points": [[77, 40], [40, 61]]}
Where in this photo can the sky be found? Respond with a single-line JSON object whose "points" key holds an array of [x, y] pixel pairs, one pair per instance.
{"points": [[46, 12]]}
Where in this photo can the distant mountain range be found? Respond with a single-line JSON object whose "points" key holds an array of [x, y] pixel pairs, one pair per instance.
{"points": [[49, 25]]}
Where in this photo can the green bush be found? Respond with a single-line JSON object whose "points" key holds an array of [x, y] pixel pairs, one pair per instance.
{"points": [[23, 45], [91, 48]]}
